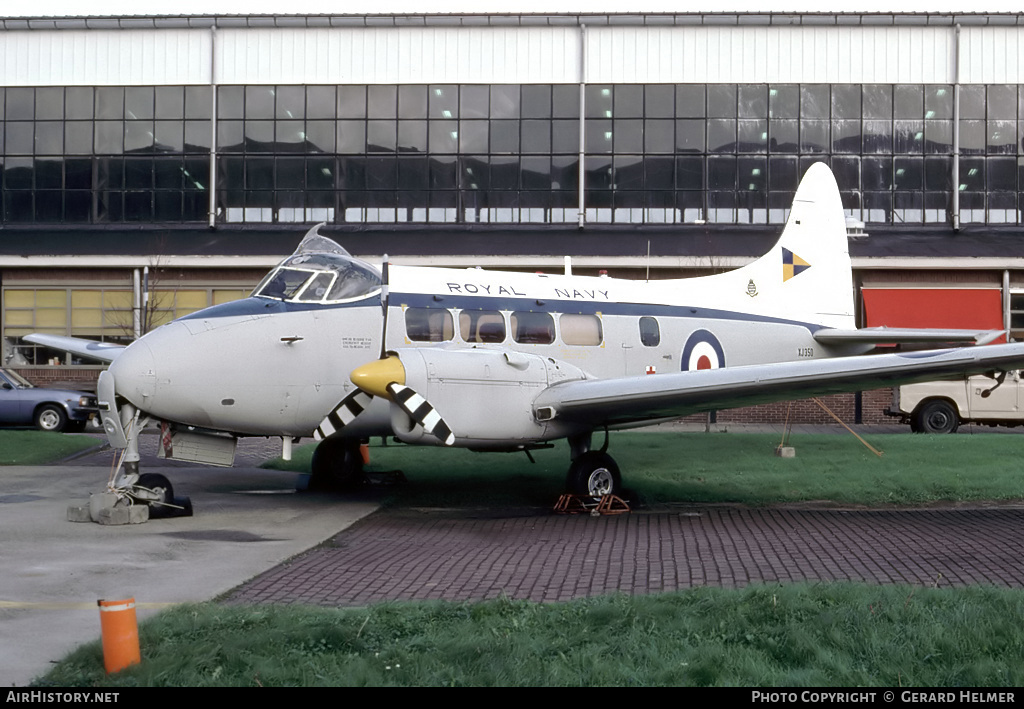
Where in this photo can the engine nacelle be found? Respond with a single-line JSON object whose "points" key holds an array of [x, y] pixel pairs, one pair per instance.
{"points": [[485, 396]]}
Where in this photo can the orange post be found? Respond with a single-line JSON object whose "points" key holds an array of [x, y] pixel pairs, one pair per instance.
{"points": [[120, 632], [364, 451]]}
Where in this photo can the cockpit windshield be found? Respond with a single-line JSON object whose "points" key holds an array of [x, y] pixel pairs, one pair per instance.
{"points": [[320, 276]]}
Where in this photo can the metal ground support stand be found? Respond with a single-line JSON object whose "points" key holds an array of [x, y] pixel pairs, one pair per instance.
{"points": [[569, 504]]}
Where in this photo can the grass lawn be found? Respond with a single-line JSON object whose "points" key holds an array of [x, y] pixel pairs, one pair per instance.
{"points": [[840, 635], [39, 448], [662, 467]]}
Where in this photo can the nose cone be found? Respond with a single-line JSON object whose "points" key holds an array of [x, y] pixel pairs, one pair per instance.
{"points": [[134, 374], [375, 376]]}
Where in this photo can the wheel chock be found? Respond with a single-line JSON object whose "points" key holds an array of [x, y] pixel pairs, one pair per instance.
{"points": [[569, 504]]}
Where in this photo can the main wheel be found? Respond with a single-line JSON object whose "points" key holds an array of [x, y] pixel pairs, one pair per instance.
{"points": [[51, 418], [157, 483], [594, 474], [937, 417], [337, 465]]}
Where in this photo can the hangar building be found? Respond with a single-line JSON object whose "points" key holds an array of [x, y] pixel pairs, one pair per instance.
{"points": [[156, 165]]}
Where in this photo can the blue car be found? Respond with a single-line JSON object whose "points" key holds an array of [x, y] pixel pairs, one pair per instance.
{"points": [[23, 404]]}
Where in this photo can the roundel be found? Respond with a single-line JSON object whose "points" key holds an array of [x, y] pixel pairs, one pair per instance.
{"points": [[702, 351]]}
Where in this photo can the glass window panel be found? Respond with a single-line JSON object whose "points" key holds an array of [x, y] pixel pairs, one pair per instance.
{"points": [[722, 173], [752, 173], [629, 172], [565, 172], [138, 173], [49, 103], [938, 174], [721, 100], [352, 173], [473, 136], [259, 173], [230, 134], [599, 101], [659, 173], [351, 102], [783, 136], [167, 206], [18, 138], [1002, 102], [49, 138], [690, 101], [908, 173], [443, 101], [846, 136], [474, 172], [536, 136], [291, 173], [753, 101], [168, 135], [474, 102], [78, 138], [259, 102], [444, 136], [321, 102], [291, 102], [18, 207], [109, 137], [320, 136], [532, 328], [230, 102], [659, 101], [598, 136], [690, 173], [259, 136], [536, 173], [972, 174], [196, 173], [1002, 137], [629, 101], [690, 136], [536, 101], [938, 137], [138, 102], [565, 136], [876, 173], [598, 173], [110, 172], [413, 173], [381, 173], [351, 137], [49, 174], [18, 173], [659, 136], [110, 102], [628, 136], [878, 137], [722, 207], [290, 136], [877, 101], [908, 207], [381, 136], [972, 136], [721, 135], [784, 101], [847, 172], [908, 137], [1002, 174], [908, 102], [565, 101], [815, 101], [320, 173], [877, 207], [412, 101], [78, 174], [198, 103], [170, 101], [783, 173], [846, 101], [504, 101], [78, 102], [972, 102], [138, 206], [814, 136], [753, 136], [138, 136], [20, 104], [412, 136]]}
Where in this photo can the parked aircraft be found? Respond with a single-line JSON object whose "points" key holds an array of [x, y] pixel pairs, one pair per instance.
{"points": [[329, 346]]}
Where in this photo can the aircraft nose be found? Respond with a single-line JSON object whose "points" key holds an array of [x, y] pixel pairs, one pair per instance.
{"points": [[134, 374]]}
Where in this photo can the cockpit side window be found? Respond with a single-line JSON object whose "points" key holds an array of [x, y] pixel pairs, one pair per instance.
{"points": [[320, 278], [284, 283]]}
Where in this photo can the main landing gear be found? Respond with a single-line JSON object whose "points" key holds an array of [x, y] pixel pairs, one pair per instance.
{"points": [[592, 473], [337, 465]]}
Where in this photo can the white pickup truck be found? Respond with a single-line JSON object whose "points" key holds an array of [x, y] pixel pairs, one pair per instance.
{"points": [[940, 407]]}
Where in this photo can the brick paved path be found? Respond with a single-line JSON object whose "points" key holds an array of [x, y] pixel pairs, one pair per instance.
{"points": [[545, 557]]}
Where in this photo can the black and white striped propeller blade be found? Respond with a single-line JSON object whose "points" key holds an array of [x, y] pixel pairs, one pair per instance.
{"points": [[343, 414], [422, 412]]}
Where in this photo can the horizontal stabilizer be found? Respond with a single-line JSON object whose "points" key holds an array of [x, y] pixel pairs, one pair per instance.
{"points": [[600, 402], [102, 351], [905, 336]]}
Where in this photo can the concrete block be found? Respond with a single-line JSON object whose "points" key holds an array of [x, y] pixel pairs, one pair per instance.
{"points": [[785, 452], [123, 514], [99, 501], [79, 513]]}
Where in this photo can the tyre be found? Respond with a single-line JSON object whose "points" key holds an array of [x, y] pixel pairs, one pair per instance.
{"points": [[51, 417], [594, 474], [936, 417], [336, 465]]}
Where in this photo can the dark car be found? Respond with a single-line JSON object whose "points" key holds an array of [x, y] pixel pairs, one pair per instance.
{"points": [[23, 404]]}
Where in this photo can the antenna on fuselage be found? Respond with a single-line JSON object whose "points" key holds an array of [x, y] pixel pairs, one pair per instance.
{"points": [[384, 307]]}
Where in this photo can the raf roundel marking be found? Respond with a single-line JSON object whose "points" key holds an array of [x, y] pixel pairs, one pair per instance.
{"points": [[702, 351]]}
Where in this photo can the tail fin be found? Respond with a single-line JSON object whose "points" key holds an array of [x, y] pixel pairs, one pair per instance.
{"points": [[807, 274]]}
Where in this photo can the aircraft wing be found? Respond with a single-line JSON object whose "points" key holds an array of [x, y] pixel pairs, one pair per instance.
{"points": [[600, 402], [102, 351], [904, 335]]}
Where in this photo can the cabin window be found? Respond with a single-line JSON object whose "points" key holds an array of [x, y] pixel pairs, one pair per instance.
{"points": [[429, 324], [650, 332], [533, 328], [580, 329], [483, 326]]}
